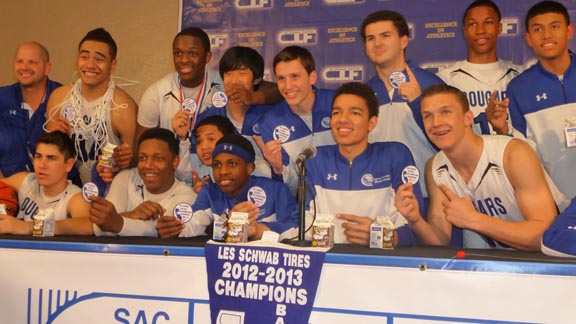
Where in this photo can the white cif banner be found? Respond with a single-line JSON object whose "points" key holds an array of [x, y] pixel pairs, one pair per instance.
{"points": [[44, 286]]}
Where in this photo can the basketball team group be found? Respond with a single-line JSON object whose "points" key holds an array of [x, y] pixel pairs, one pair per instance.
{"points": [[408, 148]]}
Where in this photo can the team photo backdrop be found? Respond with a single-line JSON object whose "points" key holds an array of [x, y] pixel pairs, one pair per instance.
{"points": [[330, 29]]}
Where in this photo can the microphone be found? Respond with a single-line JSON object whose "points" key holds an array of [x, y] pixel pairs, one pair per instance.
{"points": [[307, 153]]}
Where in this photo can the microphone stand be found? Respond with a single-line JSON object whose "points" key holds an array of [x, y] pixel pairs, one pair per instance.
{"points": [[301, 207]]}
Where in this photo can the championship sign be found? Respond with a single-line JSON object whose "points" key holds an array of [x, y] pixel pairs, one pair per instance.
{"points": [[250, 283]]}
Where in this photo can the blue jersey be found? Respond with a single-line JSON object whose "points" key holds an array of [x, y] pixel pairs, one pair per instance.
{"points": [[542, 107], [18, 131], [250, 125], [560, 238], [278, 209], [401, 121], [365, 187], [282, 124]]}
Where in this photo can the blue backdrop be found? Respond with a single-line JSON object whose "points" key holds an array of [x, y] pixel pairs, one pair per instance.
{"points": [[330, 29]]}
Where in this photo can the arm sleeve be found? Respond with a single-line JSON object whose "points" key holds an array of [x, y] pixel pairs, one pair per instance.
{"points": [[131, 227], [149, 108], [560, 239], [117, 194], [286, 210], [202, 216]]}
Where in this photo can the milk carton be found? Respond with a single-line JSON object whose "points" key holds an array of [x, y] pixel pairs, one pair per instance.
{"points": [[323, 231], [44, 223], [382, 233], [237, 228]]}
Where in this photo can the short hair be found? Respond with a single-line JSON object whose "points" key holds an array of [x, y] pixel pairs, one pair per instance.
{"points": [[240, 57], [101, 35], [237, 140], [447, 89], [361, 90], [544, 7], [482, 3], [223, 124], [163, 135], [294, 52], [386, 15], [195, 32], [62, 141], [43, 50]]}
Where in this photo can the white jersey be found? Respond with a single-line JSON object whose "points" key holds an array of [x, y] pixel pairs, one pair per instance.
{"points": [[489, 187], [31, 199], [557, 150], [478, 81], [163, 99], [127, 192], [91, 125]]}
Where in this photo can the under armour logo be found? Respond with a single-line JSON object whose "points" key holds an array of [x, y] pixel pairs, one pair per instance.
{"points": [[544, 96], [332, 176], [227, 147], [12, 112]]}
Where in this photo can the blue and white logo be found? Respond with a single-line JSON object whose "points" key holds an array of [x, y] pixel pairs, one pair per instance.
{"points": [[218, 41], [510, 26], [257, 195], [253, 4], [281, 133], [367, 180], [297, 36], [50, 306], [343, 73]]}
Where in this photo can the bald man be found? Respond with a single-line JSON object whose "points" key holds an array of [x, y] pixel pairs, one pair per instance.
{"points": [[23, 108]]}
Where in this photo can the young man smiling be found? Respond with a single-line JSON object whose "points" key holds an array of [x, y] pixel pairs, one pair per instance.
{"points": [[385, 35], [138, 196], [492, 187], [483, 76], [355, 171], [93, 110], [269, 204], [542, 100], [48, 187], [242, 70], [301, 120]]}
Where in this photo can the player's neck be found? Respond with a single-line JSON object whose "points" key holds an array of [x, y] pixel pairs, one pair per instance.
{"points": [[350, 152], [384, 70], [93, 92], [35, 94], [482, 58], [55, 189], [305, 107], [557, 65], [170, 184], [465, 156], [236, 112]]}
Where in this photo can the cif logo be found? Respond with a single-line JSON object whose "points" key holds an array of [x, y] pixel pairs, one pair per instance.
{"points": [[253, 4], [411, 31], [510, 26], [343, 73], [297, 36], [435, 67], [218, 40]]}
